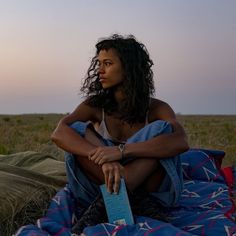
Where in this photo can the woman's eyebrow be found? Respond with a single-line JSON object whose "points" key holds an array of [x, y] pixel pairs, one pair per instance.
{"points": [[104, 60]]}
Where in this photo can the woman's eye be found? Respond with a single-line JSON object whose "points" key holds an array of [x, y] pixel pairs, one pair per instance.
{"points": [[107, 63]]}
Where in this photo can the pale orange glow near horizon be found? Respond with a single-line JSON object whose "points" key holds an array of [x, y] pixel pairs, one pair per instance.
{"points": [[46, 48]]}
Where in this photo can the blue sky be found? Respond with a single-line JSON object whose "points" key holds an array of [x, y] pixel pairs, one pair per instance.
{"points": [[46, 47]]}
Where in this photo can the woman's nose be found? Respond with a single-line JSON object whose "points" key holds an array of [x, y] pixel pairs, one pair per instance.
{"points": [[101, 70]]}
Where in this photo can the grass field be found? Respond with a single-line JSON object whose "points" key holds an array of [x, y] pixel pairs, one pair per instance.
{"points": [[32, 132]]}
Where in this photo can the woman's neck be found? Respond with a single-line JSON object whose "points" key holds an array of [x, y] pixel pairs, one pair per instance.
{"points": [[119, 95]]}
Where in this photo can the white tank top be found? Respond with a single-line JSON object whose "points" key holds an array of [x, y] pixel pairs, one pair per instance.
{"points": [[102, 129]]}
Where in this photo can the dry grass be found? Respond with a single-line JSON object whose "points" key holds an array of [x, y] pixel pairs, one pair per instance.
{"points": [[28, 132], [32, 208], [32, 132], [212, 132]]}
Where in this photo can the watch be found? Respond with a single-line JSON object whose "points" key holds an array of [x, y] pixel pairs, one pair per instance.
{"points": [[121, 147]]}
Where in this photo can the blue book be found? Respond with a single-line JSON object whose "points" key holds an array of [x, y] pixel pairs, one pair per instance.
{"points": [[117, 205]]}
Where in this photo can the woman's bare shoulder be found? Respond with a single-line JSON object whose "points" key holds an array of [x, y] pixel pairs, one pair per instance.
{"points": [[84, 112], [156, 102], [160, 110]]}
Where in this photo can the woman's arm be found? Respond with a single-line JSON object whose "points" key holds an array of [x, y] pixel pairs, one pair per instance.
{"points": [[164, 145], [67, 139]]}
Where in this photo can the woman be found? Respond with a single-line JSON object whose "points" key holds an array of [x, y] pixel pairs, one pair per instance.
{"points": [[120, 130]]}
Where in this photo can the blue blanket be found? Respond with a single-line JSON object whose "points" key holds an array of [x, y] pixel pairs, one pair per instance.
{"points": [[206, 206]]}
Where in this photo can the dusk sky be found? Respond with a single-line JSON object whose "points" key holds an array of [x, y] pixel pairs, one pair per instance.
{"points": [[46, 47]]}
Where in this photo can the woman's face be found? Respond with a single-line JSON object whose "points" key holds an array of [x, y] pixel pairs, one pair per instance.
{"points": [[110, 71]]}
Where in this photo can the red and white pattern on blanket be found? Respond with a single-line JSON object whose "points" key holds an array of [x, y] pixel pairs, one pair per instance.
{"points": [[206, 206]]}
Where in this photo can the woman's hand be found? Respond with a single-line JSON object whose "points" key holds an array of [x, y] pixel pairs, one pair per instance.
{"points": [[101, 155], [113, 171]]}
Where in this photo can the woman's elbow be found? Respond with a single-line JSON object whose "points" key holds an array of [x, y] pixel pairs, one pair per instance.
{"points": [[58, 132], [184, 145], [54, 136]]}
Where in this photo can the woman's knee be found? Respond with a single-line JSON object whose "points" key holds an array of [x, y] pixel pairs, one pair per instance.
{"points": [[79, 127], [87, 131], [161, 127], [151, 130]]}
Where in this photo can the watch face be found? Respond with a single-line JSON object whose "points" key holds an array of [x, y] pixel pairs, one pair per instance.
{"points": [[121, 148]]}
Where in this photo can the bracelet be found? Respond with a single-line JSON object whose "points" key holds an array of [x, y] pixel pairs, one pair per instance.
{"points": [[121, 147]]}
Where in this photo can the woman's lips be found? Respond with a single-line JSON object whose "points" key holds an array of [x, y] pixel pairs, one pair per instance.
{"points": [[102, 79]]}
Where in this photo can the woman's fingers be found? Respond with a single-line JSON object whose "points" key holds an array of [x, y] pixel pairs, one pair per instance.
{"points": [[114, 180], [91, 154], [106, 175], [102, 155], [95, 156], [110, 183], [112, 175], [116, 185]]}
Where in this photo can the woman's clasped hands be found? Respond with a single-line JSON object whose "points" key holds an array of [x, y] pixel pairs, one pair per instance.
{"points": [[107, 157], [103, 154]]}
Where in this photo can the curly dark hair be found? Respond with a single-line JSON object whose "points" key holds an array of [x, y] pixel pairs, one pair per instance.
{"points": [[138, 84]]}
